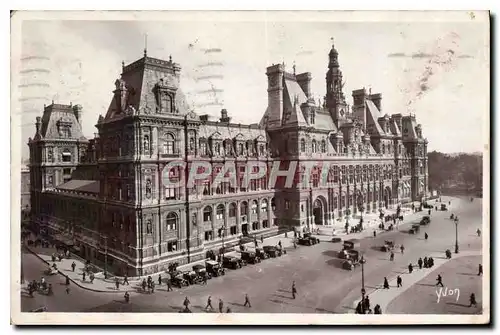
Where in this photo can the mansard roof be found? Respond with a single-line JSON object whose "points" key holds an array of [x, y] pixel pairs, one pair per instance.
{"points": [[56, 114]]}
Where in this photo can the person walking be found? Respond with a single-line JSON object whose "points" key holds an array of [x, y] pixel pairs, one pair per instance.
{"points": [[366, 304], [377, 310], [261, 238], [472, 300], [67, 290], [478, 231], [84, 275], [169, 285], [186, 304], [67, 280], [294, 290], [386, 283], [92, 277], [392, 256], [374, 233], [480, 272], [420, 262], [402, 248], [439, 281], [426, 236], [399, 281], [117, 284], [426, 262], [125, 280], [221, 305], [430, 262], [247, 301], [144, 285], [209, 303], [410, 268], [73, 266], [159, 280], [279, 243]]}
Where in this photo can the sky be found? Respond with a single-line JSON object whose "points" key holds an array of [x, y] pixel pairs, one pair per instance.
{"points": [[436, 69]]}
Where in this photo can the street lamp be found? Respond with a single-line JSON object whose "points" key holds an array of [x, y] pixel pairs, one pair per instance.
{"points": [[105, 256], [223, 232], [363, 290], [456, 236]]}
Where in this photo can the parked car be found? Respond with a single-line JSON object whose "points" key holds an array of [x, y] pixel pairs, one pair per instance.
{"points": [[177, 279], [414, 229], [336, 239], [201, 271], [250, 257], [388, 246], [348, 254], [214, 269], [231, 262], [272, 251], [261, 254], [425, 220], [443, 207]]}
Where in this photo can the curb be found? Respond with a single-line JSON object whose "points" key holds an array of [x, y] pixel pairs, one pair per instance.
{"points": [[72, 280]]}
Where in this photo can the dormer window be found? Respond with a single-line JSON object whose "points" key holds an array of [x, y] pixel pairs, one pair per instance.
{"points": [[302, 145], [66, 156], [203, 147], [323, 146], [64, 128], [262, 150]]}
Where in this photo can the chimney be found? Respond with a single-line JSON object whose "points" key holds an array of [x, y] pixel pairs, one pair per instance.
{"points": [[304, 81], [77, 109], [275, 74], [359, 97], [398, 118], [377, 100], [38, 123], [204, 117]]}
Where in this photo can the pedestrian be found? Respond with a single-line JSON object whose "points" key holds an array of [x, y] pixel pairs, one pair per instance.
{"points": [[127, 297], [117, 284], [84, 274], [153, 287], [209, 303], [221, 305], [279, 243], [261, 238], [429, 212], [294, 290], [377, 310], [169, 285], [399, 281], [386, 283], [402, 249], [359, 308], [420, 263], [286, 234], [228, 310], [92, 277], [478, 231], [67, 290], [426, 236], [392, 256], [67, 280], [125, 280], [256, 245], [410, 268], [73, 266], [159, 280], [247, 301], [374, 233], [472, 300], [205, 278], [294, 244], [186, 304], [366, 305], [480, 272], [430, 262], [439, 281], [144, 285]]}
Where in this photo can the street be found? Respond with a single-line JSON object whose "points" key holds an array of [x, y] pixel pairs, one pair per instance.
{"points": [[322, 285]]}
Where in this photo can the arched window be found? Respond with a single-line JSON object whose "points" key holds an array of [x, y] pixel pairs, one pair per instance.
{"points": [[171, 222], [220, 212], [217, 149], [232, 210], [168, 144], [192, 142], [323, 146], [314, 147], [203, 146], [383, 148], [313, 117], [263, 206], [207, 214], [273, 204], [254, 207], [262, 150], [302, 145], [240, 149], [244, 208]]}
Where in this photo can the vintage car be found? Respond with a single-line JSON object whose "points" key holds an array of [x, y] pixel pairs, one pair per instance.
{"points": [[261, 254], [272, 251], [313, 239], [250, 257], [50, 271], [348, 254], [336, 239], [177, 279], [388, 246], [352, 244], [414, 229], [214, 269], [443, 207], [231, 262], [191, 277], [349, 264], [425, 220], [201, 271]]}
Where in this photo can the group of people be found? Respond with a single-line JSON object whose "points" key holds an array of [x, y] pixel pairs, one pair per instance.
{"points": [[42, 286], [363, 307]]}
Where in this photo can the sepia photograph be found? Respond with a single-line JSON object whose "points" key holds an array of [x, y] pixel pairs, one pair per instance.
{"points": [[250, 167]]}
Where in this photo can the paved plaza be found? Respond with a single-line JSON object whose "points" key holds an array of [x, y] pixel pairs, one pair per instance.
{"points": [[322, 285]]}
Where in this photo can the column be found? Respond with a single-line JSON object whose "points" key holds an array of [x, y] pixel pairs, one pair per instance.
{"points": [[238, 217]]}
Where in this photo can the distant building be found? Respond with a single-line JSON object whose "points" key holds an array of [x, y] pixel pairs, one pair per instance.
{"points": [[25, 187], [106, 194]]}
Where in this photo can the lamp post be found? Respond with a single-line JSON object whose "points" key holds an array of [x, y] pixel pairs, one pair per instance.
{"points": [[105, 256], [363, 290], [456, 236], [223, 232]]}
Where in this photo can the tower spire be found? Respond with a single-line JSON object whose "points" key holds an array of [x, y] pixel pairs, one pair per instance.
{"points": [[145, 45]]}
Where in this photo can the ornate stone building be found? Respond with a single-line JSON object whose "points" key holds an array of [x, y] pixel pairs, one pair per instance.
{"points": [[107, 194]]}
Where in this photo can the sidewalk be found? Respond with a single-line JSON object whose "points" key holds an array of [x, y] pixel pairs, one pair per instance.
{"points": [[383, 297]]}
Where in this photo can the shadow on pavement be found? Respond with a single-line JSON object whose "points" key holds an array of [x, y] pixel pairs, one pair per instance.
{"points": [[281, 296], [457, 304], [284, 291], [278, 301], [430, 285], [330, 253], [466, 274], [324, 310], [236, 304], [336, 262]]}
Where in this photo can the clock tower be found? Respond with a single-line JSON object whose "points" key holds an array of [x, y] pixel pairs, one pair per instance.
{"points": [[335, 99]]}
